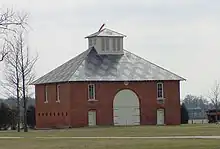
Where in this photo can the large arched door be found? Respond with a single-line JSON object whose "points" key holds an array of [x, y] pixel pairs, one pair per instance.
{"points": [[126, 109]]}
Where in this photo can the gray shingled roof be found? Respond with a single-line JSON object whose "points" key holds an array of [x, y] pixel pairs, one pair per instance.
{"points": [[89, 66]]}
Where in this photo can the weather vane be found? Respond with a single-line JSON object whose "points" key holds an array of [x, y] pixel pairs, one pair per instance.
{"points": [[101, 27]]}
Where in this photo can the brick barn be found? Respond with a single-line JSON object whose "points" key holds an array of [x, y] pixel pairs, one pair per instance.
{"points": [[107, 85]]}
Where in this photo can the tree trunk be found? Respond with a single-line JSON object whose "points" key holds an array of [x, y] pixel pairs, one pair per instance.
{"points": [[18, 98], [216, 111], [23, 89], [25, 107], [18, 111]]}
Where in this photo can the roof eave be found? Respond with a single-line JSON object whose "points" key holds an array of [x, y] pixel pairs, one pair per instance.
{"points": [[40, 83], [183, 79]]}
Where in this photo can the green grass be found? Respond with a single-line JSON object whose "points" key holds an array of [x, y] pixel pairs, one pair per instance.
{"points": [[194, 129], [30, 142], [109, 144]]}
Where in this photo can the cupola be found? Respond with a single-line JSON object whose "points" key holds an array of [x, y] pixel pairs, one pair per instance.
{"points": [[106, 41]]}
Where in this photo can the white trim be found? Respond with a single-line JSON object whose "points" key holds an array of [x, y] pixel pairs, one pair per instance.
{"points": [[160, 100], [92, 100], [92, 118], [126, 83], [160, 120], [93, 90], [126, 108], [46, 94], [160, 83], [58, 93]]}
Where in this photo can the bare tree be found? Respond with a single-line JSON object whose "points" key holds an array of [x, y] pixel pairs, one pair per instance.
{"points": [[26, 65], [19, 71], [12, 74], [10, 21], [215, 97]]}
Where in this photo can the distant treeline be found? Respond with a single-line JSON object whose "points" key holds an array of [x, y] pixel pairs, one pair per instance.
{"points": [[197, 106], [9, 117]]}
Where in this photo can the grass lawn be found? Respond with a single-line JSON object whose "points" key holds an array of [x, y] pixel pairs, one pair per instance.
{"points": [[30, 142], [109, 144], [187, 130]]}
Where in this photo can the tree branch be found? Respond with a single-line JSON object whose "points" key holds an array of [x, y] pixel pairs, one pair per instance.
{"points": [[3, 55]]}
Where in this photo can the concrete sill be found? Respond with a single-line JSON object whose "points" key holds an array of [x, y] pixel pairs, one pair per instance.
{"points": [[160, 101], [92, 100], [160, 98]]}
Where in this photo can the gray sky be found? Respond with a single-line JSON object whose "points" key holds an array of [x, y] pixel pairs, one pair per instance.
{"points": [[182, 36]]}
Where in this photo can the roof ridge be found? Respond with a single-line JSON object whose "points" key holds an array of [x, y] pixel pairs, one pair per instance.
{"points": [[88, 50], [98, 33], [155, 64]]}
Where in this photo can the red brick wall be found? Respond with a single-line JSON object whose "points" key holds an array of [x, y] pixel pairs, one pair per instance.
{"points": [[78, 105], [172, 103], [52, 107]]}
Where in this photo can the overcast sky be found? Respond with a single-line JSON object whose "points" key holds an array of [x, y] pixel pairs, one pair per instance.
{"points": [[182, 36]]}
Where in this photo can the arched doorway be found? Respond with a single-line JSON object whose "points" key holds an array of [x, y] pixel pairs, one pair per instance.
{"points": [[126, 109]]}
